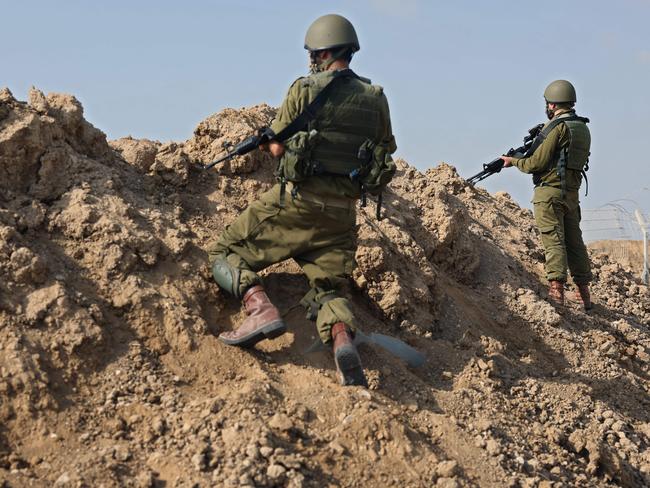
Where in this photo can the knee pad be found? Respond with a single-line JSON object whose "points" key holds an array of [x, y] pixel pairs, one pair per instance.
{"points": [[227, 277]]}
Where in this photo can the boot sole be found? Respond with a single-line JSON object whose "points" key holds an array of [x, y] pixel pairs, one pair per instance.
{"points": [[270, 331], [349, 366]]}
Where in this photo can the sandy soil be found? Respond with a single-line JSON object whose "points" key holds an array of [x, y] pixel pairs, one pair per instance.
{"points": [[111, 373]]}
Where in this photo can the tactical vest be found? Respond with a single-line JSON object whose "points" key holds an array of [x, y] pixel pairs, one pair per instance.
{"points": [[349, 118], [573, 157]]}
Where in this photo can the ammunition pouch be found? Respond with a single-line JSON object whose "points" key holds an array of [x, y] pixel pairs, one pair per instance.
{"points": [[377, 167], [296, 163]]}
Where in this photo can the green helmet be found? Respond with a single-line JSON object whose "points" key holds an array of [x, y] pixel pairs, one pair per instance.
{"points": [[560, 91], [331, 31]]}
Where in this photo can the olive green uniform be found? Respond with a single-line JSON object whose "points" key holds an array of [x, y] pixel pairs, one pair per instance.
{"points": [[558, 215], [315, 223]]}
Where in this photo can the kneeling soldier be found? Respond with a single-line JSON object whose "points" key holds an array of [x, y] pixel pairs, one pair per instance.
{"points": [[310, 214]]}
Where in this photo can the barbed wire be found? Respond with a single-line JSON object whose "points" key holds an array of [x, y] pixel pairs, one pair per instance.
{"points": [[612, 221]]}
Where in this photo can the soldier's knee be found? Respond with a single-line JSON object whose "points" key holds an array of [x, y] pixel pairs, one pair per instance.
{"points": [[227, 276], [216, 251]]}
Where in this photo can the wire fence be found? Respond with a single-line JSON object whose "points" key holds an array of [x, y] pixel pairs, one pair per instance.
{"points": [[617, 232], [610, 222]]}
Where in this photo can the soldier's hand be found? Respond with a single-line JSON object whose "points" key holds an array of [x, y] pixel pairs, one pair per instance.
{"points": [[507, 161], [276, 148]]}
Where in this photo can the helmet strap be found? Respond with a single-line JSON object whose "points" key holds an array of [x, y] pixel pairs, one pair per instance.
{"points": [[316, 65]]}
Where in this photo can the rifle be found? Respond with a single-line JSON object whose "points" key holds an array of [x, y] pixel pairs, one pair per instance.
{"points": [[265, 134], [261, 136], [496, 165]]}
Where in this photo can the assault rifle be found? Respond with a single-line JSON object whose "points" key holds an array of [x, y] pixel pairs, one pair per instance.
{"points": [[261, 136], [496, 165], [265, 134]]}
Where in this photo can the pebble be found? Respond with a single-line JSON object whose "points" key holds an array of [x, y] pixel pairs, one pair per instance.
{"points": [[364, 394], [145, 479], [493, 448], [245, 479], [447, 469], [275, 472], [266, 451], [482, 364], [483, 425], [447, 483], [122, 453], [281, 422], [158, 425], [198, 461], [252, 451], [62, 480], [337, 447]]}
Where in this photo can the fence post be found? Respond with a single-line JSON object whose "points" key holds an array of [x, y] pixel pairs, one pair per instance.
{"points": [[645, 276]]}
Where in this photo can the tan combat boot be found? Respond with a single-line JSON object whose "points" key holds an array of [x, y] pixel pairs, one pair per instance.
{"points": [[556, 292], [263, 322], [583, 296], [346, 357]]}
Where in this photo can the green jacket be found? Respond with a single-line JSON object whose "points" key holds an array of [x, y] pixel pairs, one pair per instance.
{"points": [[543, 164], [298, 97]]}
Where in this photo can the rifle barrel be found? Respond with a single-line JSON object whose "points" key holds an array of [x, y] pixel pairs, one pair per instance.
{"points": [[220, 160]]}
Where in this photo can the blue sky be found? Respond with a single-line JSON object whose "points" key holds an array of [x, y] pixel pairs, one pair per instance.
{"points": [[464, 79]]}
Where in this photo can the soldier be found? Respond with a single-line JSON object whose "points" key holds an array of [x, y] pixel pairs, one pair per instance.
{"points": [[310, 214], [558, 160]]}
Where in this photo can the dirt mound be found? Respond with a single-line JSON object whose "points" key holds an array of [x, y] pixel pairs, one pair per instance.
{"points": [[628, 254], [111, 373]]}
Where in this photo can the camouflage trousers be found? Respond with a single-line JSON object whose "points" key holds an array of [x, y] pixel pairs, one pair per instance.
{"points": [[319, 234], [558, 220]]}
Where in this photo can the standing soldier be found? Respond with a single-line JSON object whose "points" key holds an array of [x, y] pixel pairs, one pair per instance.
{"points": [[558, 160], [310, 214]]}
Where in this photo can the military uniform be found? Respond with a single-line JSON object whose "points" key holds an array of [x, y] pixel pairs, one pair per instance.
{"points": [[315, 223], [556, 201]]}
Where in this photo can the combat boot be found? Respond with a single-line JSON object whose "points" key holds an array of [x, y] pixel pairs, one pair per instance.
{"points": [[263, 322], [556, 292], [346, 357], [583, 296]]}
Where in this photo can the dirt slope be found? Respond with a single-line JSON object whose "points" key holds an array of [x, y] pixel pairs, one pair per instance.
{"points": [[628, 254], [111, 374]]}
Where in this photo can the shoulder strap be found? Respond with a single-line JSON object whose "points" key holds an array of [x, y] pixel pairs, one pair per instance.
{"points": [[552, 125], [311, 111]]}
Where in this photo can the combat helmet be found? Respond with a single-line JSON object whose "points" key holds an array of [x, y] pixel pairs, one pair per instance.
{"points": [[560, 91], [330, 32]]}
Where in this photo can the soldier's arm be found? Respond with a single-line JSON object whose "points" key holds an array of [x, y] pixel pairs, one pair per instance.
{"points": [[543, 155], [292, 106], [387, 138]]}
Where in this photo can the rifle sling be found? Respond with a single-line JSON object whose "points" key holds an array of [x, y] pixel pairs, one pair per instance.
{"points": [[311, 111]]}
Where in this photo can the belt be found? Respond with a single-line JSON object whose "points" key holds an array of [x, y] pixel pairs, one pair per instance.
{"points": [[323, 201]]}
